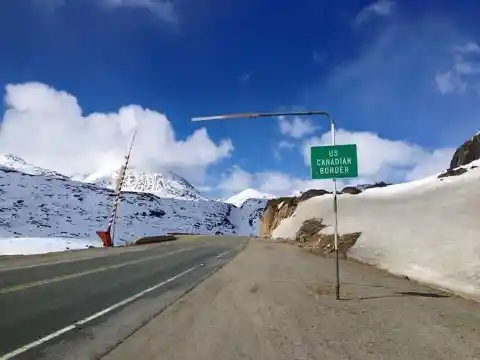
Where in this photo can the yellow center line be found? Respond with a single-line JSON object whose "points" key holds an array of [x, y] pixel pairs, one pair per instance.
{"points": [[105, 268]]}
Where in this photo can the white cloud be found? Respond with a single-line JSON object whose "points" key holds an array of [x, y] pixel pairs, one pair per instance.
{"points": [[47, 128], [469, 47], [295, 127], [285, 145], [466, 68], [379, 8], [379, 159], [282, 145], [163, 9], [450, 81], [430, 163], [271, 182], [235, 180], [463, 75], [384, 159]]}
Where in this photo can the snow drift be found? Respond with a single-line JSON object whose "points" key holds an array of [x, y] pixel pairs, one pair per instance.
{"points": [[428, 229]]}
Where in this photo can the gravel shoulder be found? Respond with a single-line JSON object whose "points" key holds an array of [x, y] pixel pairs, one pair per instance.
{"points": [[275, 301]]}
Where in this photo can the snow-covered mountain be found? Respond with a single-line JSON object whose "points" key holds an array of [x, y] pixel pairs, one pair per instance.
{"points": [[40, 204], [14, 162], [247, 194], [167, 184], [253, 210]]}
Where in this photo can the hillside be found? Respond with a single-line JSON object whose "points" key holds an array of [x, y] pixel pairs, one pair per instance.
{"points": [[40, 206], [426, 230]]}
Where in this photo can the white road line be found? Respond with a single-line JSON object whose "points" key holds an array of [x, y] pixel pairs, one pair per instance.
{"points": [[92, 271], [94, 316], [226, 252]]}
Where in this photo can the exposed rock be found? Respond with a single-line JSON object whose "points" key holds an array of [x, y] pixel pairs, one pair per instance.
{"points": [[379, 184], [345, 242], [275, 212], [351, 190], [282, 208], [453, 172], [312, 193], [468, 152], [310, 234], [354, 190], [309, 230]]}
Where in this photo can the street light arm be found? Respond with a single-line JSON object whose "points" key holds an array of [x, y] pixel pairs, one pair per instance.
{"points": [[257, 115]]}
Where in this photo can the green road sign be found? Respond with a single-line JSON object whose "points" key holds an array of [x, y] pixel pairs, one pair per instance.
{"points": [[334, 162]]}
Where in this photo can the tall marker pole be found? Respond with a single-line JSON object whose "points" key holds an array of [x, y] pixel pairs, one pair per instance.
{"points": [[108, 236], [335, 211], [296, 113]]}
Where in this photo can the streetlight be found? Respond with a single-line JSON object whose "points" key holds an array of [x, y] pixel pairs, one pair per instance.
{"points": [[295, 113]]}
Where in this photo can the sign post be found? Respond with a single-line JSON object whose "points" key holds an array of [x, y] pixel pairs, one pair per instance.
{"points": [[325, 170], [334, 162]]}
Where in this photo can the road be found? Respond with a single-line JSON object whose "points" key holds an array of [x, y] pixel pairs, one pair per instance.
{"points": [[83, 303], [277, 302]]}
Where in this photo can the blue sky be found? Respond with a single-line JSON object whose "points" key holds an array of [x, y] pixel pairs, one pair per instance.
{"points": [[401, 78]]}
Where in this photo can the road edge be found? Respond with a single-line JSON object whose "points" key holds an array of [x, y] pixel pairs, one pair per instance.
{"points": [[173, 301]]}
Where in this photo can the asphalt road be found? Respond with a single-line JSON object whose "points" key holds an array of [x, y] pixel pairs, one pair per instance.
{"points": [[50, 303], [277, 302]]}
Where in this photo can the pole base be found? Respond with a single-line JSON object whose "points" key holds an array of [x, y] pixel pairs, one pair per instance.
{"points": [[106, 238]]}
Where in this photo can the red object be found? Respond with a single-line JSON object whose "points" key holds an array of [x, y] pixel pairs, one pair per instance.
{"points": [[106, 238]]}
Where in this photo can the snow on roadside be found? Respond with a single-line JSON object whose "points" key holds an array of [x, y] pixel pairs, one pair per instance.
{"points": [[427, 229], [31, 246]]}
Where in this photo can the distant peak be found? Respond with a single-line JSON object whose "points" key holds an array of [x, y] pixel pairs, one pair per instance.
{"points": [[247, 194], [162, 184], [15, 159]]}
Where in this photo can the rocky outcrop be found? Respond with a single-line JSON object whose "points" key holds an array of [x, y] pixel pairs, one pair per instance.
{"points": [[466, 153], [310, 236], [453, 172], [276, 211], [379, 184], [353, 190], [282, 208], [312, 193]]}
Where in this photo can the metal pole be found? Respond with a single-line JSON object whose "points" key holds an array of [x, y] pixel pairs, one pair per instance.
{"points": [[297, 113], [335, 211], [113, 231]]}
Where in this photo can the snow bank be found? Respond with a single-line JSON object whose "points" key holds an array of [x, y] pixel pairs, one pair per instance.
{"points": [[30, 246], [428, 230]]}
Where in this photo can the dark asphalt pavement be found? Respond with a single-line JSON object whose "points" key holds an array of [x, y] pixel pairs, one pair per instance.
{"points": [[41, 297]]}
